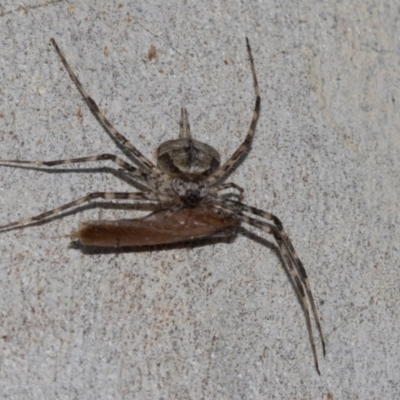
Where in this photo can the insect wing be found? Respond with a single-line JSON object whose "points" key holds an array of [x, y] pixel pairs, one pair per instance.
{"points": [[157, 228]]}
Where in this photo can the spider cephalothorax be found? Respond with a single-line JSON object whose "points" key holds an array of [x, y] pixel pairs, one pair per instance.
{"points": [[186, 155]]}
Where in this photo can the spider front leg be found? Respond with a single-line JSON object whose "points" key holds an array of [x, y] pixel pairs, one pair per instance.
{"points": [[101, 117], [144, 196], [224, 170]]}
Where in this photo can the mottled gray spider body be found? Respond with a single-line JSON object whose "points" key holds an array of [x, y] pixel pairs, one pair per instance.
{"points": [[185, 190]]}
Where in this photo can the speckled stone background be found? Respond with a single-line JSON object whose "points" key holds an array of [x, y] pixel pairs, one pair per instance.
{"points": [[215, 321]]}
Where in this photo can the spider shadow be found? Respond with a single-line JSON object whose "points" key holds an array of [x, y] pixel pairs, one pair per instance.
{"points": [[189, 244], [266, 243], [144, 249], [192, 244]]}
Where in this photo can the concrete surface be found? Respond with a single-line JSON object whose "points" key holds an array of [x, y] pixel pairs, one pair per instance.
{"points": [[219, 321]]}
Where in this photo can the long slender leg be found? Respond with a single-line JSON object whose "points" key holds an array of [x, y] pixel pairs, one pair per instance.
{"points": [[285, 251], [230, 185], [100, 157], [134, 172], [147, 196], [101, 117], [293, 255], [267, 228], [221, 172]]}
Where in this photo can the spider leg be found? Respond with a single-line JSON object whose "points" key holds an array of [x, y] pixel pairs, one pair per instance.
{"points": [[218, 188], [101, 117], [148, 196], [286, 254], [293, 255], [172, 210], [101, 157], [267, 228], [134, 172], [223, 171]]}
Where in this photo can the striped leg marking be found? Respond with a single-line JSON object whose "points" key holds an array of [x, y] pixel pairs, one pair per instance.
{"points": [[296, 268], [224, 170], [144, 196], [134, 172], [101, 117], [293, 255]]}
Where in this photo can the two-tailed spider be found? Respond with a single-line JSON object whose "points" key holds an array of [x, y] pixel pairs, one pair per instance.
{"points": [[184, 189]]}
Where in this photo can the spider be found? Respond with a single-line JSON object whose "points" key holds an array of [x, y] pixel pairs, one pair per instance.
{"points": [[184, 191]]}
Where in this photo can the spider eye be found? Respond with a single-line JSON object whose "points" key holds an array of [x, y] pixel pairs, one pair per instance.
{"points": [[190, 191], [187, 155], [192, 198]]}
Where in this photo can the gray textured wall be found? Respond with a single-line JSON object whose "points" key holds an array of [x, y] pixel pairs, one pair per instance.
{"points": [[219, 321]]}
